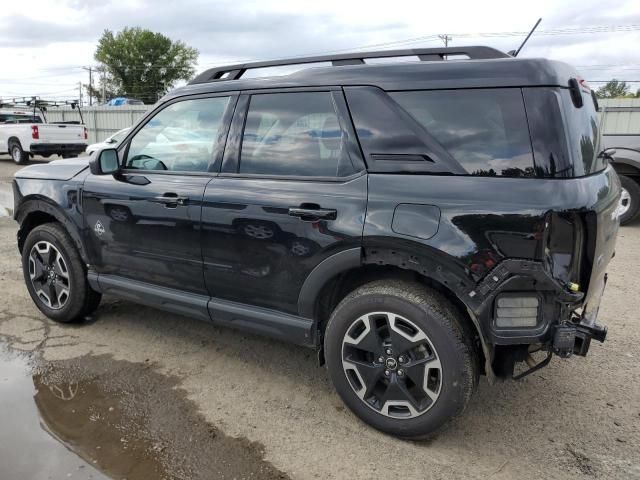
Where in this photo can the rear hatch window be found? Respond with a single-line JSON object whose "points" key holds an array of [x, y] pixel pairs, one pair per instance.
{"points": [[565, 138], [584, 133]]}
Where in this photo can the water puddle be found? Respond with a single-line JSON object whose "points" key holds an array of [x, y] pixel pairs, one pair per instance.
{"points": [[96, 418]]}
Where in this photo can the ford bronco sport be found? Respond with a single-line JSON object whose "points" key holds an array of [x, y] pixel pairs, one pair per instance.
{"points": [[418, 223]]}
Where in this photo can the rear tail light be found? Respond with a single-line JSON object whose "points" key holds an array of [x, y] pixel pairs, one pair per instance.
{"points": [[86, 133], [35, 134], [515, 311]]}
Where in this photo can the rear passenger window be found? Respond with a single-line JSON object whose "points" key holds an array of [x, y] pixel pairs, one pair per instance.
{"points": [[294, 134], [485, 130]]}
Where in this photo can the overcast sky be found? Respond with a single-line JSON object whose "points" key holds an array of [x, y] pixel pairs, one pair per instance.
{"points": [[44, 44]]}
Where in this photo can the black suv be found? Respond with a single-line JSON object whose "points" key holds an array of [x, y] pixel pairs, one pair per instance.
{"points": [[417, 223]]}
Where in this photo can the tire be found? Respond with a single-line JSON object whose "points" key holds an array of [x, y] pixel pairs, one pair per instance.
{"points": [[445, 345], [45, 155], [18, 155], [630, 200], [42, 248], [69, 155]]}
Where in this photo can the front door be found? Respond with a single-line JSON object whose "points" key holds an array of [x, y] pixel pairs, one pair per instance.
{"points": [[292, 192], [144, 222]]}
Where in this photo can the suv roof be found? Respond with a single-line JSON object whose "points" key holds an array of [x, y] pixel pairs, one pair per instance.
{"points": [[486, 67]]}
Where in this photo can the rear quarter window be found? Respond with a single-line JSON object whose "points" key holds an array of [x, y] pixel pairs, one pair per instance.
{"points": [[485, 130]]}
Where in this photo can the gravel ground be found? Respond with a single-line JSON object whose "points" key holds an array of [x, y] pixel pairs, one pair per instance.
{"points": [[577, 418]]}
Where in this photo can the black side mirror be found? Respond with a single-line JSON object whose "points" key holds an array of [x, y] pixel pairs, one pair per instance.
{"points": [[105, 163]]}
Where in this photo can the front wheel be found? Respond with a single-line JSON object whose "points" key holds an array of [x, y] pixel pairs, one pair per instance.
{"points": [[55, 275], [400, 358]]}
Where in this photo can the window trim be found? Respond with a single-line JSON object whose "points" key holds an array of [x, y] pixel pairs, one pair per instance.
{"points": [[216, 156], [231, 161]]}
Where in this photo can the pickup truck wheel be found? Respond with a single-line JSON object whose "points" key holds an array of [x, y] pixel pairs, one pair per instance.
{"points": [[398, 355], [18, 154], [55, 275], [629, 200]]}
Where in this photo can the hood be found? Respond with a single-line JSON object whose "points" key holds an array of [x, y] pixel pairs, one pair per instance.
{"points": [[55, 170]]}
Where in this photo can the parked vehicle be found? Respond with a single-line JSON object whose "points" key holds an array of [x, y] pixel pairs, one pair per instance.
{"points": [[111, 141], [626, 162], [409, 221], [24, 132]]}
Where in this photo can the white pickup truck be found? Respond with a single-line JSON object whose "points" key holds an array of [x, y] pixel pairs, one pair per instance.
{"points": [[25, 133]]}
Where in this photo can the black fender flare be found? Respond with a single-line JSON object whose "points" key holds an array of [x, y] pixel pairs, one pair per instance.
{"points": [[452, 278], [330, 267], [41, 205]]}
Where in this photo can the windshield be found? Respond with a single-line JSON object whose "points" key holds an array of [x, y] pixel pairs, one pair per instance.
{"points": [[118, 136]]}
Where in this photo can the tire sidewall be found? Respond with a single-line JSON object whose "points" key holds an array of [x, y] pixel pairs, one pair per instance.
{"points": [[69, 311], [16, 147], [630, 185], [456, 375]]}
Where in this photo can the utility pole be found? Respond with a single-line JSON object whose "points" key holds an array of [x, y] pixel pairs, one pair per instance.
{"points": [[446, 39], [90, 70], [80, 89]]}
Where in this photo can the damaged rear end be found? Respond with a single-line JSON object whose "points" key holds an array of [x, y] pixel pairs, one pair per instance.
{"points": [[551, 304], [503, 199]]}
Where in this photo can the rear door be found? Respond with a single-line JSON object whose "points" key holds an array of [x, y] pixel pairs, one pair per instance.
{"points": [[291, 193], [144, 222]]}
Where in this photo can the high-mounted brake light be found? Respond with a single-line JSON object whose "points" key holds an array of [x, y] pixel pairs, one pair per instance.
{"points": [[35, 134], [86, 133]]}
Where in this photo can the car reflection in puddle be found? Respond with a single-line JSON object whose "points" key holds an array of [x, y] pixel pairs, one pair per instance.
{"points": [[97, 418]]}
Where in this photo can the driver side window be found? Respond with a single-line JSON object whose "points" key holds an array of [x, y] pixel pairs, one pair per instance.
{"points": [[182, 137]]}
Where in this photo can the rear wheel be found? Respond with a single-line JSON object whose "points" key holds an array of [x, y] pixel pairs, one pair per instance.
{"points": [[55, 275], [629, 200], [400, 358], [17, 153]]}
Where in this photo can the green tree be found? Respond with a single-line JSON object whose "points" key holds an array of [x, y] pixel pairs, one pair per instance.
{"points": [[143, 64], [613, 89]]}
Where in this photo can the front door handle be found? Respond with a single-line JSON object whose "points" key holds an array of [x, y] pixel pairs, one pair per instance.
{"points": [[170, 199], [311, 214]]}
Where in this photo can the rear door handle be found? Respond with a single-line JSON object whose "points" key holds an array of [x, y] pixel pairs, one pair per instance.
{"points": [[171, 199], [311, 214]]}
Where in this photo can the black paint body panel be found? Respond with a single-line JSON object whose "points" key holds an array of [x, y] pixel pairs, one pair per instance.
{"points": [[235, 252]]}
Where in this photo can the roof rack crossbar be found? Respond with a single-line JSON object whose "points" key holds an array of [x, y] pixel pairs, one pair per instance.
{"points": [[234, 72]]}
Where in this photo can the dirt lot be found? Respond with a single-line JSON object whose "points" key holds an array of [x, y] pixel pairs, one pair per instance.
{"points": [[194, 400]]}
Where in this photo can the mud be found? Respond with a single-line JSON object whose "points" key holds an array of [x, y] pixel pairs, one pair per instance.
{"points": [[102, 418]]}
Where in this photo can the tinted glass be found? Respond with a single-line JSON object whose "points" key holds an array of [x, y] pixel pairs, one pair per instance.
{"points": [[181, 137], [293, 134], [120, 135], [485, 130], [548, 137], [584, 131], [9, 118]]}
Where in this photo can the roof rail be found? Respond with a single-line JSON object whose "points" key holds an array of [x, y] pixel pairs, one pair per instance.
{"points": [[234, 72]]}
